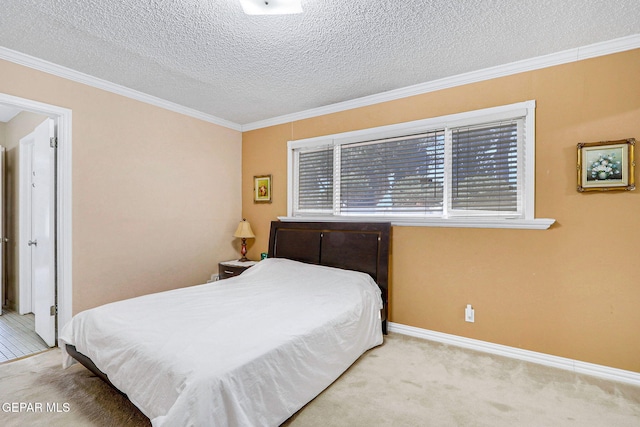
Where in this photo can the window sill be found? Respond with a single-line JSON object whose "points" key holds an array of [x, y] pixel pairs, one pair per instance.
{"points": [[527, 224]]}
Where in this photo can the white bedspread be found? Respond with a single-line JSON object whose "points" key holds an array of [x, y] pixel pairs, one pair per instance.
{"points": [[246, 351]]}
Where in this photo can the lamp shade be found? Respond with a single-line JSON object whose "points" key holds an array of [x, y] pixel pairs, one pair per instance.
{"points": [[244, 230]]}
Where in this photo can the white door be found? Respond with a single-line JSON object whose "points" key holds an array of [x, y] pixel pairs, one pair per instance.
{"points": [[43, 232]]}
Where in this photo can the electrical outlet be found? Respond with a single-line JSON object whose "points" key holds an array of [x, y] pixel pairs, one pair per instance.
{"points": [[469, 314]]}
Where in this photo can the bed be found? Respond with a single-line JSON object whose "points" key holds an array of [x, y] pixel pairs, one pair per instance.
{"points": [[252, 349]]}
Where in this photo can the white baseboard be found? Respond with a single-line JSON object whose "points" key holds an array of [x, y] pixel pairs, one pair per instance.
{"points": [[577, 366]]}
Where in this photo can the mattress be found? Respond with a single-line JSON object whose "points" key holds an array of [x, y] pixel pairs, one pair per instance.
{"points": [[249, 350]]}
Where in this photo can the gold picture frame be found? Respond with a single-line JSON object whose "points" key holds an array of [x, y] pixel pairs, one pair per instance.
{"points": [[262, 189], [606, 165]]}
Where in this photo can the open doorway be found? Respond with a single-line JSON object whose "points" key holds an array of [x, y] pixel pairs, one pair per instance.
{"points": [[55, 309], [19, 336]]}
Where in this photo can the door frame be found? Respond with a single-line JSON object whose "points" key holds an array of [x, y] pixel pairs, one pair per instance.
{"points": [[63, 121]]}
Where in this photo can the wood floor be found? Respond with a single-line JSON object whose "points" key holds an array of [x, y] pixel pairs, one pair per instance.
{"points": [[17, 336]]}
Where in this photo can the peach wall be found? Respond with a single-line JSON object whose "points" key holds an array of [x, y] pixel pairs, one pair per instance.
{"points": [[570, 291], [156, 194]]}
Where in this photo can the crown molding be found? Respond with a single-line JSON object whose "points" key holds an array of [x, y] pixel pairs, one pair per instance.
{"points": [[559, 58], [76, 76]]}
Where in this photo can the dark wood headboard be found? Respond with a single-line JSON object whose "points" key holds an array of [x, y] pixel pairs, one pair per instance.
{"points": [[349, 245]]}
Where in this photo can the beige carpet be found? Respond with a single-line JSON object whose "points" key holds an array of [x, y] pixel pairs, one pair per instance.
{"points": [[405, 382]]}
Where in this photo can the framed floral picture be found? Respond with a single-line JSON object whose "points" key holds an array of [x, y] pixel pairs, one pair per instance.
{"points": [[606, 165], [262, 189]]}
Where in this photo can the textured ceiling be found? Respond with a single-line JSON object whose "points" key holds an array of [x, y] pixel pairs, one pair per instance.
{"points": [[209, 56]]}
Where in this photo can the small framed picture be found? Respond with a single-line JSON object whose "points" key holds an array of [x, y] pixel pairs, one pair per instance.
{"points": [[606, 165], [262, 189]]}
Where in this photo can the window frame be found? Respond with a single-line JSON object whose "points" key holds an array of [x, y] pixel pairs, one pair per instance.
{"points": [[526, 168]]}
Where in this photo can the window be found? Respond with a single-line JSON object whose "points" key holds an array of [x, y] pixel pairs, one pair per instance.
{"points": [[485, 168], [468, 169]]}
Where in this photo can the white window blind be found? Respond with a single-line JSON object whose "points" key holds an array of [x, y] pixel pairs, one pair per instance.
{"points": [[315, 180], [484, 168], [399, 175]]}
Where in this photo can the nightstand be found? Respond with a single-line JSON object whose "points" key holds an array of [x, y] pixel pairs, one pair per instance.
{"points": [[228, 269]]}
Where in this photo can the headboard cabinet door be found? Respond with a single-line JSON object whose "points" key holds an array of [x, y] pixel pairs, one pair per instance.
{"points": [[297, 245], [344, 249]]}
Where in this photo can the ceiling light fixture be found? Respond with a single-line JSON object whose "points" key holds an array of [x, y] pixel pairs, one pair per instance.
{"points": [[271, 7]]}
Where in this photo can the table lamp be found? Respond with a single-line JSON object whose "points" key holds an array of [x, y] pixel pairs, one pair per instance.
{"points": [[244, 232]]}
